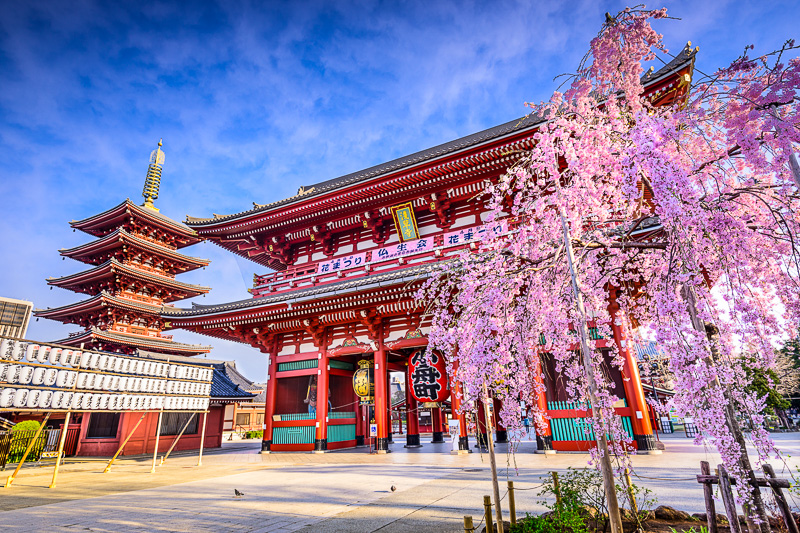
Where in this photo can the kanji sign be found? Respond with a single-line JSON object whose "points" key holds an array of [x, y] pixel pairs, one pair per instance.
{"points": [[478, 233], [427, 377], [405, 222], [404, 248], [342, 263]]}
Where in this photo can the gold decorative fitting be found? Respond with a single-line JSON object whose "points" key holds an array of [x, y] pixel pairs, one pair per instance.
{"points": [[152, 181]]}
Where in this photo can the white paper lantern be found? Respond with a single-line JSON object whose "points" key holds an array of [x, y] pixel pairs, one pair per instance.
{"points": [[76, 400], [58, 397], [94, 361], [43, 354], [20, 397], [6, 345], [7, 397], [102, 362], [25, 374], [13, 372], [50, 377], [126, 401], [87, 401], [96, 401], [16, 352], [66, 400], [33, 399], [45, 399], [54, 356], [118, 364], [38, 375], [83, 378], [104, 401], [30, 352]]}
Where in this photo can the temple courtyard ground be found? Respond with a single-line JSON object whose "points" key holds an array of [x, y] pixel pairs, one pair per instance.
{"points": [[348, 491]]}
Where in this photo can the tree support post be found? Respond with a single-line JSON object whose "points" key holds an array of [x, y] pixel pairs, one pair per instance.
{"points": [[122, 446], [61, 440], [28, 449], [202, 440], [490, 443], [186, 425], [158, 436]]}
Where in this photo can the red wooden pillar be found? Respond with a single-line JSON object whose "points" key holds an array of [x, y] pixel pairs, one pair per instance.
{"points": [[361, 422], [501, 435], [480, 428], [381, 397], [436, 425], [412, 416], [632, 381], [272, 395], [541, 424], [456, 406], [321, 437]]}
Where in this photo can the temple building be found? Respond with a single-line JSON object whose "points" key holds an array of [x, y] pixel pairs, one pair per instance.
{"points": [[134, 261], [347, 256]]}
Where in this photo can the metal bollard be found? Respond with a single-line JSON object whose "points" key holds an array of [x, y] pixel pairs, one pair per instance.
{"points": [[512, 505], [487, 512], [468, 527]]}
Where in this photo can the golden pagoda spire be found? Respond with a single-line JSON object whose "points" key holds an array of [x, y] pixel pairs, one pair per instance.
{"points": [[153, 180]]}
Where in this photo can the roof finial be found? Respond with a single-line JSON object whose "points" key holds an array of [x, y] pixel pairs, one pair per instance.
{"points": [[153, 180]]}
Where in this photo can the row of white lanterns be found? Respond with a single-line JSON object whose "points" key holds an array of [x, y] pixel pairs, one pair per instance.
{"points": [[48, 377], [11, 350], [86, 401]]}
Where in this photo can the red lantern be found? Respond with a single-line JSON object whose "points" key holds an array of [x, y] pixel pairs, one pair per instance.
{"points": [[427, 377]]}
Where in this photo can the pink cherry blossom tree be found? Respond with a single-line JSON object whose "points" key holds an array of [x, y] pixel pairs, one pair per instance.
{"points": [[686, 212]]}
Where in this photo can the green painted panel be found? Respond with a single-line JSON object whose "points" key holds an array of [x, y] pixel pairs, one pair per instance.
{"points": [[342, 414], [298, 365], [294, 435], [344, 365], [297, 416], [341, 433]]}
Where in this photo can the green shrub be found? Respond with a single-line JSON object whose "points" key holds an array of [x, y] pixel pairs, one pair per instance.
{"points": [[21, 435], [254, 435]]}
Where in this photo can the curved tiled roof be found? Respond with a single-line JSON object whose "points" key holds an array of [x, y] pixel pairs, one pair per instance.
{"points": [[95, 300], [152, 343], [223, 387], [686, 56], [113, 264], [413, 273], [119, 235]]}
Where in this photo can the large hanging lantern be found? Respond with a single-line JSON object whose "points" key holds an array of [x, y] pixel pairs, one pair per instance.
{"points": [[364, 382], [428, 377]]}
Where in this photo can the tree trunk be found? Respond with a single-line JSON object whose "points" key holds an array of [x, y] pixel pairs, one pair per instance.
{"points": [[609, 486], [492, 461], [712, 334]]}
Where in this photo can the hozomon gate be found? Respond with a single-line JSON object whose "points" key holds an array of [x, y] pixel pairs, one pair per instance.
{"points": [[348, 255]]}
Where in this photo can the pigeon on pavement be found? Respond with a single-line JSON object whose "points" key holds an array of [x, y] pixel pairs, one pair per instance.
{"points": [[394, 488], [237, 493]]}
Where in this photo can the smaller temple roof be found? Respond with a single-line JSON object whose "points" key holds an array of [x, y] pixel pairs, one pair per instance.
{"points": [[107, 221], [224, 388], [99, 300], [134, 341], [73, 281], [119, 238]]}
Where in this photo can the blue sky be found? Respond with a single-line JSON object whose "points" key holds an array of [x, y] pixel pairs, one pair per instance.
{"points": [[255, 99]]}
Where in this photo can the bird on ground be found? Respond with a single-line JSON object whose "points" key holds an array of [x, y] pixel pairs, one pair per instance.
{"points": [[238, 494], [394, 488]]}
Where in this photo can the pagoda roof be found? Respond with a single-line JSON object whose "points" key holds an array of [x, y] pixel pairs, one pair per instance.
{"points": [[119, 237], [373, 281], [154, 344], [103, 223], [74, 281], [515, 127], [103, 299]]}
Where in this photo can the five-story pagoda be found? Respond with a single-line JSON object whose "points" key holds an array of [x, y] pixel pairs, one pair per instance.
{"points": [[134, 263]]}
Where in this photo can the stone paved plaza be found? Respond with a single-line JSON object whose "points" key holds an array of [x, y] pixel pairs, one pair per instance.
{"points": [[340, 491]]}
